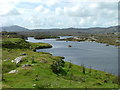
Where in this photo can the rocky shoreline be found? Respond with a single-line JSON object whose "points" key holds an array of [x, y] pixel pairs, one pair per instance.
{"points": [[90, 39]]}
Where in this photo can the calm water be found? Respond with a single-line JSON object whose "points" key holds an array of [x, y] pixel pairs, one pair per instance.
{"points": [[99, 56]]}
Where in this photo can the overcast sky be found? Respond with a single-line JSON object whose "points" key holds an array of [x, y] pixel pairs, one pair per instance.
{"points": [[59, 13]]}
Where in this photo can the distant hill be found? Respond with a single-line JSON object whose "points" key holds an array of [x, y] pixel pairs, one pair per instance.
{"points": [[111, 29], [16, 28], [13, 28]]}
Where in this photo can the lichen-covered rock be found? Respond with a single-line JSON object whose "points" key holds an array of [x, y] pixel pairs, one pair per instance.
{"points": [[43, 61], [13, 71], [23, 54], [26, 65], [34, 85], [18, 59]]}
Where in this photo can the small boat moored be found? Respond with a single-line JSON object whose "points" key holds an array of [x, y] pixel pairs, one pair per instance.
{"points": [[107, 44], [69, 46]]}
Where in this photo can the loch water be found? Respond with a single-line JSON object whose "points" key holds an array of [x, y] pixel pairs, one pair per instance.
{"points": [[91, 54]]}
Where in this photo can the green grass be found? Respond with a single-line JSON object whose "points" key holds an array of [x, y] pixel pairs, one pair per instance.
{"points": [[13, 43], [45, 36], [35, 46], [40, 74]]}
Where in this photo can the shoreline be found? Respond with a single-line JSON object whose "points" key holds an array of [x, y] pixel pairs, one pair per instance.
{"points": [[81, 40]]}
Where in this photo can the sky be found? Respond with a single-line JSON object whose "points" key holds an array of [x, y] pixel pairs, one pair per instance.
{"points": [[59, 13]]}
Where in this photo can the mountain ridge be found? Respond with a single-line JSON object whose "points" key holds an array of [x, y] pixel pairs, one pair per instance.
{"points": [[16, 28], [13, 28]]}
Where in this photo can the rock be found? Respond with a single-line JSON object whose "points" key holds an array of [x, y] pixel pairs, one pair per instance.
{"points": [[105, 81], [23, 54], [26, 65], [34, 85], [6, 60], [13, 71], [98, 83], [43, 61], [34, 50], [18, 59]]}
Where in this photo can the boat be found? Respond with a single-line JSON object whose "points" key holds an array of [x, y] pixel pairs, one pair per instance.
{"points": [[69, 46], [107, 44]]}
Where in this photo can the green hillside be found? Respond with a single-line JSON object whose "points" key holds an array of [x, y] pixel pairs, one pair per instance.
{"points": [[43, 70]]}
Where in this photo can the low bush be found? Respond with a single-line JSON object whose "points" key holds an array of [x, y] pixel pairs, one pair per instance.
{"points": [[8, 66], [57, 67]]}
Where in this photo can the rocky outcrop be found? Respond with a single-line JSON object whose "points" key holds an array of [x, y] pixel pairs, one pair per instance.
{"points": [[13, 71], [18, 59], [26, 65]]}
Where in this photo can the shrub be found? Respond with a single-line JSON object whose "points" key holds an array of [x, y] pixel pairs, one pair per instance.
{"points": [[8, 66], [57, 66], [15, 43], [42, 85], [90, 70], [70, 65], [7, 44], [83, 69]]}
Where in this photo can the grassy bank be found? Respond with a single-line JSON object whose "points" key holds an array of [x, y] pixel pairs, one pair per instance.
{"points": [[47, 71], [13, 43], [45, 37]]}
